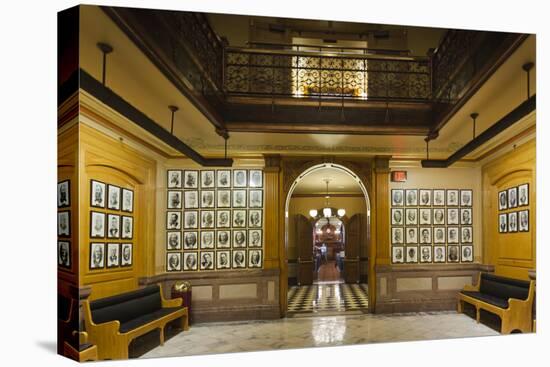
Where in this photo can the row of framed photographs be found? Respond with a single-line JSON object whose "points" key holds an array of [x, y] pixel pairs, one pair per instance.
{"points": [[431, 197], [221, 239], [64, 223], [64, 254], [213, 260], [514, 222], [513, 197], [110, 255], [112, 197], [210, 219], [429, 235], [177, 199], [428, 216], [111, 226], [64, 194], [435, 254], [189, 179]]}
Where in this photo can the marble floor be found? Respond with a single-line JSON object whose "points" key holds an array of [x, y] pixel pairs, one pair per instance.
{"points": [[303, 332]]}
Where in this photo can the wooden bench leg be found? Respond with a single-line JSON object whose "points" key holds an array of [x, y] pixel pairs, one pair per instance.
{"points": [[185, 322], [460, 306], [162, 335], [477, 314]]}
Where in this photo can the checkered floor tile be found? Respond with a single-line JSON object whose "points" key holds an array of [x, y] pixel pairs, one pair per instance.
{"points": [[328, 297]]}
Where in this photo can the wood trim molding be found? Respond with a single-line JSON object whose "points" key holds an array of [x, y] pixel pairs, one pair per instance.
{"points": [[229, 274]]}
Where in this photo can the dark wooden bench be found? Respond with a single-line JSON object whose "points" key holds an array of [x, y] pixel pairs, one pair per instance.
{"points": [[510, 299], [113, 322]]}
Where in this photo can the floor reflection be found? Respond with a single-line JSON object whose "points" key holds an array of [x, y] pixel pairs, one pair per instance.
{"points": [[328, 330], [328, 297]]}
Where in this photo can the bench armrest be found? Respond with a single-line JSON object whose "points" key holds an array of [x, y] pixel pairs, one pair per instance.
{"points": [[168, 303], [471, 287]]}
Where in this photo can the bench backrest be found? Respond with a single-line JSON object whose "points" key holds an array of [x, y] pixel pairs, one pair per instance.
{"points": [[504, 288], [126, 306]]}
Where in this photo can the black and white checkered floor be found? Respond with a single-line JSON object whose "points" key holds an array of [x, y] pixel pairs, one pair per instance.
{"points": [[327, 298]]}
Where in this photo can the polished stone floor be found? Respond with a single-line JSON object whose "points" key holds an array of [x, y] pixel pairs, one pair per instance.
{"points": [[328, 298], [303, 332]]}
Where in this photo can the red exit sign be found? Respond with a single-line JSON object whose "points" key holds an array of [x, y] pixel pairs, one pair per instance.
{"points": [[399, 176]]}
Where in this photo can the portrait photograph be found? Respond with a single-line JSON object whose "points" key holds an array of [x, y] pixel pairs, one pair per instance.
{"points": [[439, 235], [513, 222], [207, 240], [523, 195], [452, 254], [411, 216], [239, 198], [524, 221], [425, 216], [207, 219], [97, 225], [127, 200], [503, 223], [113, 255], [173, 261], [223, 178], [512, 197], [467, 254], [207, 260], [63, 194], [425, 235], [254, 258], [412, 235], [239, 218], [452, 235], [425, 197], [439, 254], [465, 216], [254, 238], [224, 199], [255, 218], [190, 240], [113, 202], [452, 197], [256, 178], [190, 179], [223, 219], [223, 260], [239, 259], [411, 254], [113, 226], [173, 240], [223, 239], [503, 200], [97, 255], [127, 227], [239, 239], [174, 199], [173, 220], [411, 197], [190, 261], [64, 224], [191, 199], [64, 254], [397, 237], [207, 199], [466, 197], [173, 179], [190, 219], [452, 216], [126, 254], [239, 178], [97, 194], [256, 198], [207, 179], [397, 217], [439, 216], [466, 234], [425, 254], [397, 256], [439, 197], [397, 197]]}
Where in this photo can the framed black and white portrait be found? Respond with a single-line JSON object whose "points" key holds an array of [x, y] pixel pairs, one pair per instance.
{"points": [[523, 195], [411, 197], [224, 199], [466, 197], [173, 179], [223, 260], [127, 227], [439, 235], [411, 234], [190, 219], [223, 178], [439, 197], [439, 255], [174, 199], [113, 226], [397, 255], [190, 179], [190, 240], [452, 235], [466, 234], [255, 218], [173, 261], [173, 240], [465, 216], [425, 235], [126, 254], [467, 254], [239, 259], [513, 222], [439, 216], [503, 200], [207, 219], [113, 255], [207, 199], [411, 216], [239, 198], [239, 238], [64, 194], [256, 178], [397, 217], [173, 220], [223, 219], [256, 198], [207, 260], [97, 255], [64, 223], [397, 237], [191, 199], [190, 261], [452, 216], [113, 202], [452, 197], [64, 254], [239, 178], [127, 200], [397, 197], [425, 254], [503, 223], [452, 254], [411, 254], [524, 221], [239, 218], [97, 225], [223, 239], [97, 194], [425, 197], [254, 258], [512, 197], [207, 179], [425, 216], [207, 240], [254, 238]]}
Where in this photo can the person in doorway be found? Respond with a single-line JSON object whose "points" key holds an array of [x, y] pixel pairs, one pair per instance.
{"points": [[324, 253]]}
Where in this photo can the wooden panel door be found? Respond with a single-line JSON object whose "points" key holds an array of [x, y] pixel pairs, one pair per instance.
{"points": [[353, 242], [304, 244]]}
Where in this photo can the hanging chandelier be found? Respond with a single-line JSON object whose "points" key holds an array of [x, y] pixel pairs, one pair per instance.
{"points": [[327, 210]]}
